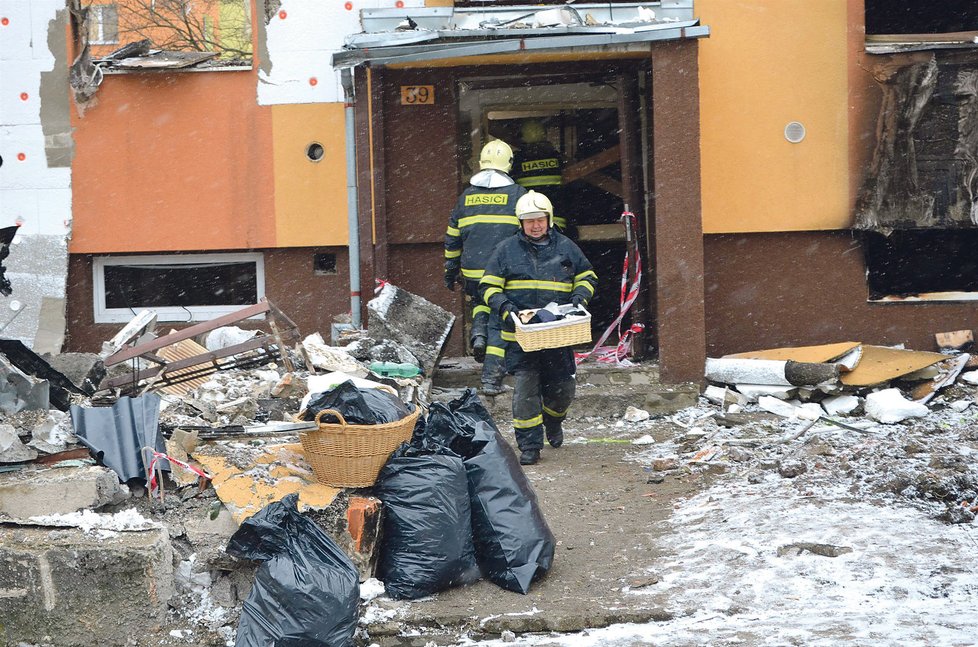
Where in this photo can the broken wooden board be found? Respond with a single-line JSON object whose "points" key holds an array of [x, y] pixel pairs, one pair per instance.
{"points": [[880, 365], [954, 340], [183, 350], [247, 479], [808, 354], [948, 372]]}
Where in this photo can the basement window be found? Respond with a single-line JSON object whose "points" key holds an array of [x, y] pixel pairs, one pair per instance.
{"points": [[184, 287], [921, 265], [920, 16]]}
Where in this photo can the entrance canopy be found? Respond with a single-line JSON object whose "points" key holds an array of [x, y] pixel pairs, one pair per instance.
{"points": [[429, 33]]}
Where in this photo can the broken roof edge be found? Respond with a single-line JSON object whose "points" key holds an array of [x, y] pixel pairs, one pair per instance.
{"points": [[391, 54]]}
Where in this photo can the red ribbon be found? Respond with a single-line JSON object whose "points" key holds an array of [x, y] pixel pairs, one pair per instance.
{"points": [[629, 293]]}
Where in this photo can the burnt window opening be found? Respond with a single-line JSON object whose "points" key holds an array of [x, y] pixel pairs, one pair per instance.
{"points": [[191, 287], [323, 264], [920, 16], [910, 263]]}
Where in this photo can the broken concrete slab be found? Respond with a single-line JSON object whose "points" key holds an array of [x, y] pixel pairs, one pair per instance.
{"points": [[331, 358], [31, 364], [82, 586], [411, 321], [52, 433], [12, 450], [59, 490], [21, 392], [84, 370], [840, 405]]}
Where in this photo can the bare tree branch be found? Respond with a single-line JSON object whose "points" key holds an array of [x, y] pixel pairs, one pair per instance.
{"points": [[220, 26]]}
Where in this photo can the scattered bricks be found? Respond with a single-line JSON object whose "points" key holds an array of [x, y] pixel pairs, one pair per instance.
{"points": [[37, 492], [65, 586], [290, 385], [363, 519], [664, 464]]}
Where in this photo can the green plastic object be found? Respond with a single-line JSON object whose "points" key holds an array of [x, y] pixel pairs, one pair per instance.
{"points": [[395, 369]]}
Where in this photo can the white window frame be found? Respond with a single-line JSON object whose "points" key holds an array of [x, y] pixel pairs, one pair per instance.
{"points": [[104, 314], [97, 15]]}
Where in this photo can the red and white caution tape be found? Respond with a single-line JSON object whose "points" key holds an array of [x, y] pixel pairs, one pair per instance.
{"points": [[160, 455], [629, 293]]}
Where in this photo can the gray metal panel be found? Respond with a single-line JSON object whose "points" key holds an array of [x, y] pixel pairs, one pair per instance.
{"points": [[405, 54], [119, 432]]}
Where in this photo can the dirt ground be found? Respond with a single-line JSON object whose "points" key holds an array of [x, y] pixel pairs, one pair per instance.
{"points": [[606, 512]]}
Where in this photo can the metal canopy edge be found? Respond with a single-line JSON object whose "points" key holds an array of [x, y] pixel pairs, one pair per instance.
{"points": [[397, 53]]}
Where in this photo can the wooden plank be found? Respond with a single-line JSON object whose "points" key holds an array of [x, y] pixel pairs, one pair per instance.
{"points": [[606, 183], [592, 233], [578, 170]]}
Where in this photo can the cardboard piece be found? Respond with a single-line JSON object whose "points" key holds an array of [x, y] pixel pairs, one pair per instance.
{"points": [[880, 364], [811, 354]]}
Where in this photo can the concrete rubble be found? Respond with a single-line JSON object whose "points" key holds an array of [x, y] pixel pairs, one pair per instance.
{"points": [[154, 557]]}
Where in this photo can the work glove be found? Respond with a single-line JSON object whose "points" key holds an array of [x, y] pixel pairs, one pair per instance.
{"points": [[509, 308], [451, 278], [577, 300]]}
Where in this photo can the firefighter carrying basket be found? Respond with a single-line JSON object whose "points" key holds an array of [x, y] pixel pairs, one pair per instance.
{"points": [[569, 331], [345, 455]]}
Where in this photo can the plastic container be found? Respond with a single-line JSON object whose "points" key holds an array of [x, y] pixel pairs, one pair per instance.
{"points": [[394, 369]]}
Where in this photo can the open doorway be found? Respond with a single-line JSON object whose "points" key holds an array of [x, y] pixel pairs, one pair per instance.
{"points": [[598, 131]]}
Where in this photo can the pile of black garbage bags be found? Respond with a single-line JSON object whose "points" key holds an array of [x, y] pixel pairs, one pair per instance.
{"points": [[457, 506]]}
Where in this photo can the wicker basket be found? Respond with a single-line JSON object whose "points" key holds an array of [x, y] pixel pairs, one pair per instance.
{"points": [[554, 334], [345, 455]]}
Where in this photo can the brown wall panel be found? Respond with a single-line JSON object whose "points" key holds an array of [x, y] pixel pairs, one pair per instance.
{"points": [[312, 301], [421, 144], [799, 289], [678, 221]]}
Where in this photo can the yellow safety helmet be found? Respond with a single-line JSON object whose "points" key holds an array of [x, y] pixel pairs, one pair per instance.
{"points": [[533, 205], [532, 131], [496, 155]]}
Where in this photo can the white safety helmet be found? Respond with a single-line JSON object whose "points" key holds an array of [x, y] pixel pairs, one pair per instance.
{"points": [[496, 155], [533, 205]]}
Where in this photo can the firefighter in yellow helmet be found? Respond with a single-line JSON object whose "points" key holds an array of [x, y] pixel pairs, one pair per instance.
{"points": [[538, 165], [530, 270], [484, 215]]}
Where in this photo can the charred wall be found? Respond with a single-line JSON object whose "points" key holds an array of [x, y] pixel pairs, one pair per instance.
{"points": [[791, 289]]}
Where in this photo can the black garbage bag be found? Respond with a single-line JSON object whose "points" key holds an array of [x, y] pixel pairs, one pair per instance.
{"points": [[453, 425], [513, 543], [358, 406], [307, 590], [427, 534]]}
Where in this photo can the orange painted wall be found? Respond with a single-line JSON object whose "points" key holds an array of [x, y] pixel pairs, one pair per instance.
{"points": [[310, 197], [766, 64], [173, 161]]}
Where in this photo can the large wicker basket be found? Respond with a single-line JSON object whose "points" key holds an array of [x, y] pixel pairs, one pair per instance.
{"points": [[345, 455], [554, 334]]}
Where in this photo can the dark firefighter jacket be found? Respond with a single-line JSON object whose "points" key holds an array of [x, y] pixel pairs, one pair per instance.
{"points": [[531, 276], [483, 216], [539, 167]]}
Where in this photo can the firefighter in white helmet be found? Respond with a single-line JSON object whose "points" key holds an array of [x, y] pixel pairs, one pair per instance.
{"points": [[536, 267], [484, 215]]}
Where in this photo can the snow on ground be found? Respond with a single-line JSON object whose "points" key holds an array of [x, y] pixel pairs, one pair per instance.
{"points": [[850, 544]]}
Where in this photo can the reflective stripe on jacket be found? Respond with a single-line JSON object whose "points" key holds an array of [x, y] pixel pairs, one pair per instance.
{"points": [[531, 276], [482, 218]]}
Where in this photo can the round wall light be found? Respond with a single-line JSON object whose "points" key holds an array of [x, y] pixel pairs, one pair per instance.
{"points": [[794, 132]]}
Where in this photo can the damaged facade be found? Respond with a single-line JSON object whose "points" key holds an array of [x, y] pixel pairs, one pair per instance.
{"points": [[752, 183]]}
